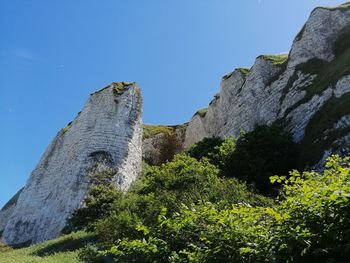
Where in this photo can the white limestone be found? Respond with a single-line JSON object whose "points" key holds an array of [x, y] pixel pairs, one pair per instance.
{"points": [[106, 134], [319, 35], [268, 93]]}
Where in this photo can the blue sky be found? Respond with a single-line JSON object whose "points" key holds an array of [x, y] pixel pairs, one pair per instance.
{"points": [[54, 53]]}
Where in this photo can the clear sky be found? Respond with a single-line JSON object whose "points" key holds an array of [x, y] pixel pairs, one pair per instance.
{"points": [[54, 53]]}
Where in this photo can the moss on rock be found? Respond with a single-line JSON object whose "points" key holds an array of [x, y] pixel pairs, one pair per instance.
{"points": [[342, 7], [244, 71], [120, 87], [65, 129], [277, 60], [202, 112], [152, 130]]}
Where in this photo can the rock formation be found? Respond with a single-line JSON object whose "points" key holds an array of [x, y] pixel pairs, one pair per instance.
{"points": [[307, 90], [161, 143], [107, 134]]}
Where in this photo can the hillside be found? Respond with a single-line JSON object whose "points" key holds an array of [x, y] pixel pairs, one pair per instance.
{"points": [[306, 90], [61, 250], [260, 175]]}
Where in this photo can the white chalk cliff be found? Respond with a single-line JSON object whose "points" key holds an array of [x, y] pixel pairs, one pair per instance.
{"points": [[106, 134], [307, 91]]}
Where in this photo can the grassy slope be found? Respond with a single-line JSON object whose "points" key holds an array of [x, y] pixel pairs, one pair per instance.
{"points": [[64, 249]]}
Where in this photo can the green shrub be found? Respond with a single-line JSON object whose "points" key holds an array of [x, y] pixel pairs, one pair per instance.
{"points": [[184, 181], [152, 130], [204, 147], [309, 223], [199, 234], [97, 205], [216, 150], [314, 215], [264, 152]]}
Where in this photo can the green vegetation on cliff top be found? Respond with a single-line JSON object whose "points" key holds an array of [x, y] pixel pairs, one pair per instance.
{"points": [[277, 59], [202, 112], [118, 87], [342, 7], [152, 130]]}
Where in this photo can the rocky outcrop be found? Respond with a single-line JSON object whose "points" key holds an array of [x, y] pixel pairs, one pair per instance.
{"points": [[307, 90], [7, 211], [107, 134], [161, 143]]}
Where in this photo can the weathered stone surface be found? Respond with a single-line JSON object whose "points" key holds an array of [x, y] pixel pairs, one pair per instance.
{"points": [[106, 134], [317, 38], [272, 92], [7, 211], [161, 143], [244, 100]]}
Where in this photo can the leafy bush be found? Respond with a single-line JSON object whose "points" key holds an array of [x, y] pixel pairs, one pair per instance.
{"points": [[313, 224], [98, 203], [264, 152], [216, 150], [201, 233], [182, 181], [253, 158], [309, 223], [204, 147]]}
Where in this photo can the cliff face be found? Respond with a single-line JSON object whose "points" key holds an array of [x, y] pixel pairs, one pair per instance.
{"points": [[307, 90], [161, 143], [106, 134]]}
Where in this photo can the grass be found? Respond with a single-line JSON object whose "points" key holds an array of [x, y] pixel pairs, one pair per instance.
{"points": [[201, 113], [120, 87], [64, 249], [276, 60], [151, 130], [65, 129], [117, 87], [343, 7], [244, 71]]}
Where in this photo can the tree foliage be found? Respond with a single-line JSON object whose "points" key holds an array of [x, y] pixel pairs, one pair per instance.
{"points": [[186, 211], [264, 152], [309, 223], [98, 204], [216, 150], [184, 181]]}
